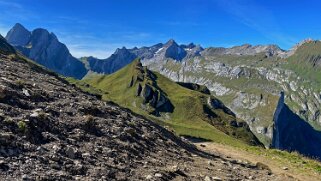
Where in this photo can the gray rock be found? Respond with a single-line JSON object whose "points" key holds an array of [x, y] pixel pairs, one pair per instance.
{"points": [[18, 35], [71, 152]]}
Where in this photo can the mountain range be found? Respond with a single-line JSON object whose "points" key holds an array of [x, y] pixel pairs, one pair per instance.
{"points": [[52, 130], [248, 79]]}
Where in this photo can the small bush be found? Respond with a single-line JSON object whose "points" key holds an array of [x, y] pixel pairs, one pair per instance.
{"points": [[132, 124], [20, 83], [22, 126]]}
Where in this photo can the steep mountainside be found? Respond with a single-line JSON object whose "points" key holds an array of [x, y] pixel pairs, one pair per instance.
{"points": [[50, 130], [152, 94], [45, 49]]}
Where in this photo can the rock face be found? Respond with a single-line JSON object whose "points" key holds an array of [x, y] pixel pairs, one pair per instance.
{"points": [[292, 133], [18, 35], [45, 49], [173, 51]]}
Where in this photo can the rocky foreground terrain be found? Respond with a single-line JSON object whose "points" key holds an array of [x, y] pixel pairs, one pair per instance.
{"points": [[50, 130]]}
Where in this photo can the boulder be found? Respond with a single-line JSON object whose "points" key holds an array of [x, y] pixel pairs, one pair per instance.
{"points": [[147, 93], [139, 90]]}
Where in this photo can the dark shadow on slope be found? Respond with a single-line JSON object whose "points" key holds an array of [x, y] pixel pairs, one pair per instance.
{"points": [[292, 133], [196, 87]]}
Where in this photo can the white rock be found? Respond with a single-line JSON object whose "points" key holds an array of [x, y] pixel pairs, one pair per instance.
{"points": [[26, 92]]}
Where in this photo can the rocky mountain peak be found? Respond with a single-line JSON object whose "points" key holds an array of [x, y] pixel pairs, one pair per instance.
{"points": [[121, 50], [18, 35], [171, 42], [44, 47], [18, 27], [173, 50], [189, 46], [245, 46]]}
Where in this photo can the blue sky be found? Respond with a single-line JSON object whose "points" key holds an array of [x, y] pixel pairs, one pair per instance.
{"points": [[98, 27]]}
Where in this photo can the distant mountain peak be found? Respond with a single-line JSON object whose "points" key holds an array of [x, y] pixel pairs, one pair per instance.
{"points": [[171, 42], [122, 50], [18, 35], [19, 26], [44, 47]]}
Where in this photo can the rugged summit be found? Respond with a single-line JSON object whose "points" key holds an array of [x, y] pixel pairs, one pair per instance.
{"points": [[18, 35], [45, 48]]}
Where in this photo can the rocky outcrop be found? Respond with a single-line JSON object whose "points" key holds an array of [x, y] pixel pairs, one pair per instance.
{"points": [[45, 48], [292, 133], [148, 90]]}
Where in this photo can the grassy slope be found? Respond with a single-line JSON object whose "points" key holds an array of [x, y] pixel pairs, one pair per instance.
{"points": [[189, 116], [302, 62]]}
